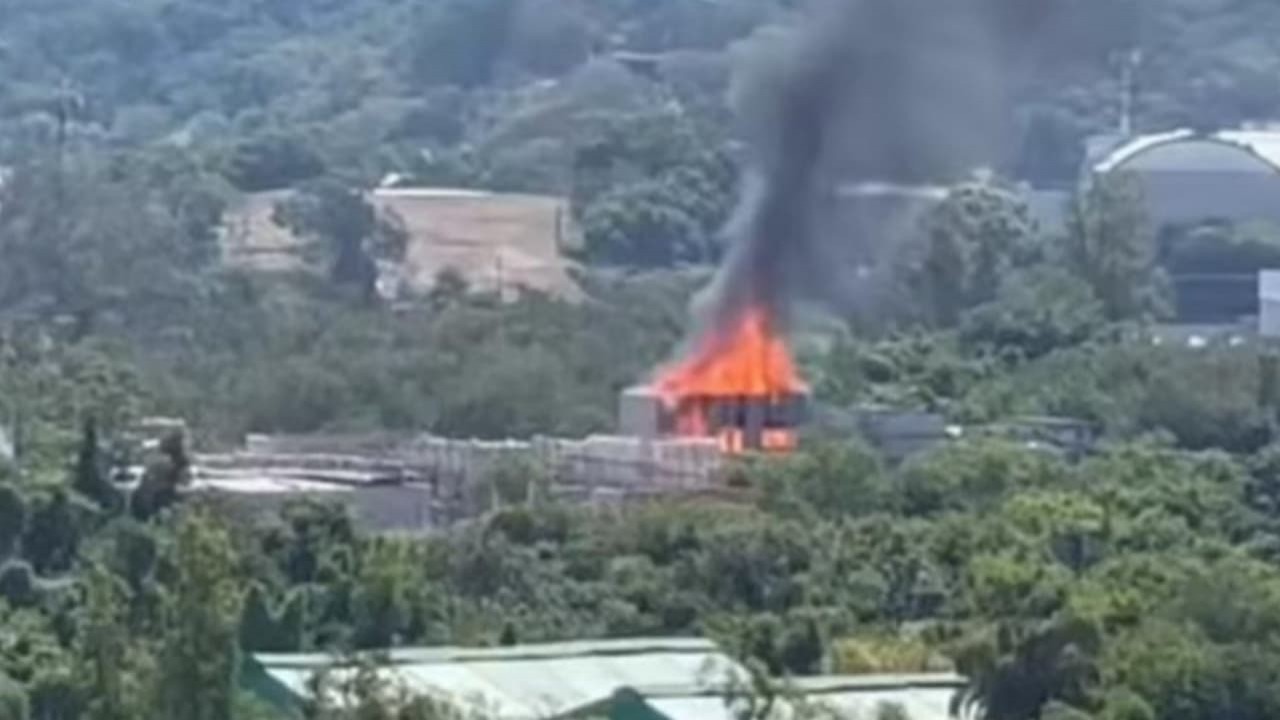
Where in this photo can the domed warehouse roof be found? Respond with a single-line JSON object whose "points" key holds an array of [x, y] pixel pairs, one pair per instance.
{"points": [[1190, 177]]}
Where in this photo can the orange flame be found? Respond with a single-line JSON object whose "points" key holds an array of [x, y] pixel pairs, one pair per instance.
{"points": [[750, 360]]}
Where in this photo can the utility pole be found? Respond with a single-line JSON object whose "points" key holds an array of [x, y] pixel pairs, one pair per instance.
{"points": [[1129, 90], [501, 279], [63, 112]]}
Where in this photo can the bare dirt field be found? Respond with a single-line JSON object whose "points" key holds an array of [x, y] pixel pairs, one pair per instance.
{"points": [[495, 241]]}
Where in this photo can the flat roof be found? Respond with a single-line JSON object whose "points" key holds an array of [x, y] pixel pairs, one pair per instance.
{"points": [[530, 681], [266, 484], [927, 696], [676, 678]]}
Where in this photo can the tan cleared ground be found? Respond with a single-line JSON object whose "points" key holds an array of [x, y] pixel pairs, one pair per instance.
{"points": [[495, 241]]}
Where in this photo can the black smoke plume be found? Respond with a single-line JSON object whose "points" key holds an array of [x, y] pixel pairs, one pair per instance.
{"points": [[891, 91]]}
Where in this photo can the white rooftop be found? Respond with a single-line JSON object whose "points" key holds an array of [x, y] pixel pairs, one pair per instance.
{"points": [[535, 681], [923, 697], [1269, 285], [1188, 150], [678, 678]]}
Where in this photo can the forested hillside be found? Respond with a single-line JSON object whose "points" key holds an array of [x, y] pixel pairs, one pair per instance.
{"points": [[286, 89], [1139, 583]]}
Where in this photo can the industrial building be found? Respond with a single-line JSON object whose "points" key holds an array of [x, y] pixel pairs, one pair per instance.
{"points": [[417, 483], [736, 422], [1269, 304], [639, 679], [1190, 176]]}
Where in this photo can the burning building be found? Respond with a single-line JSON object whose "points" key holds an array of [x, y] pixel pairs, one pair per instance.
{"points": [[900, 92], [739, 386]]}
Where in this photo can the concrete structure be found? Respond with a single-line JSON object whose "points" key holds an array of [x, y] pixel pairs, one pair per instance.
{"points": [[1191, 178], [381, 496], [643, 679], [641, 413], [417, 483], [1269, 303], [644, 413]]}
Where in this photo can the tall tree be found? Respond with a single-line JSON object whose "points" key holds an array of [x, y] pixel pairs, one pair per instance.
{"points": [[91, 473], [350, 230], [13, 520], [979, 234], [199, 654], [1111, 244], [163, 477], [14, 704], [112, 690]]}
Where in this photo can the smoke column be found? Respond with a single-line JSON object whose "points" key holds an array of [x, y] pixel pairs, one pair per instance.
{"points": [[898, 91]]}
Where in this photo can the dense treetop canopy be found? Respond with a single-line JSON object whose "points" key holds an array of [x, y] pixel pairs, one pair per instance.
{"points": [[1141, 581]]}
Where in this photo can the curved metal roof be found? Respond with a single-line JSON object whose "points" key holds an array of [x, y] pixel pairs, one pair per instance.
{"points": [[1187, 150]]}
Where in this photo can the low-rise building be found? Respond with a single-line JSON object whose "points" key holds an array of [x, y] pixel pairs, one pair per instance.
{"points": [[423, 482], [636, 679]]}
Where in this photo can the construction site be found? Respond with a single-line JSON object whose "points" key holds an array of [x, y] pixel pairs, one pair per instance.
{"points": [[420, 483]]}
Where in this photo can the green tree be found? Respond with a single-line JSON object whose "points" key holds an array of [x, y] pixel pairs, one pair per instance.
{"points": [[13, 520], [352, 233], [1034, 313], [1111, 244], [272, 627], [1015, 671], [271, 161], [164, 476], [1124, 704], [803, 646], [458, 42], [976, 237], [639, 225], [91, 476], [651, 190], [198, 654], [91, 244], [56, 527], [829, 479], [18, 583], [13, 700], [381, 599], [112, 685], [976, 474]]}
